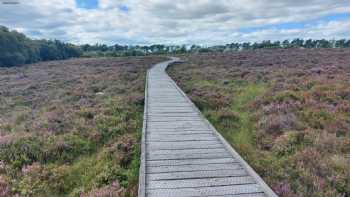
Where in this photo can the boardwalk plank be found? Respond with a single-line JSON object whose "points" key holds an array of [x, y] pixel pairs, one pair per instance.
{"points": [[206, 191], [194, 167], [196, 174], [190, 162], [188, 151], [223, 154], [191, 183]]}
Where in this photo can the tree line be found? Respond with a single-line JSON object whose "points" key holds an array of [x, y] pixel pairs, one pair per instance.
{"points": [[17, 49], [296, 43], [130, 50], [119, 50]]}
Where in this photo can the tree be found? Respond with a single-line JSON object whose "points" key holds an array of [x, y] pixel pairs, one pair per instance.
{"points": [[310, 44], [286, 44], [16, 49], [347, 44], [246, 45], [340, 43], [324, 44], [297, 43]]}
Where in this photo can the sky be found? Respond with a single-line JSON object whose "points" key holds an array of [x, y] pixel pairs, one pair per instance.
{"points": [[203, 22]]}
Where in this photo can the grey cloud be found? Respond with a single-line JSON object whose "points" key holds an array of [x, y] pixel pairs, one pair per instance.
{"points": [[172, 21], [188, 10]]}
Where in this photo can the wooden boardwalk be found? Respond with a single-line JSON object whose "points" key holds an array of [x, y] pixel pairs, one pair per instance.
{"points": [[182, 153]]}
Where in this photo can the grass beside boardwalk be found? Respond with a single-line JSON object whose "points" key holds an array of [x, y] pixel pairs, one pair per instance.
{"points": [[285, 111], [72, 128]]}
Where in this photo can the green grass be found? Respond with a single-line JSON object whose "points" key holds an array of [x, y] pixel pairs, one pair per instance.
{"points": [[245, 136], [239, 128]]}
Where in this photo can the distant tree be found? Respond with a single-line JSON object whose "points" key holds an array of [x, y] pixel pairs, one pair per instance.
{"points": [[85, 47], [340, 43], [118, 47], [347, 44], [246, 45], [276, 44], [103, 47], [256, 45], [285, 44], [297, 43], [310, 44], [182, 49], [234, 46], [48, 51], [324, 43]]}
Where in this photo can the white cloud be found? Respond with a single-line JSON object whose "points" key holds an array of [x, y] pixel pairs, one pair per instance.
{"points": [[174, 21]]}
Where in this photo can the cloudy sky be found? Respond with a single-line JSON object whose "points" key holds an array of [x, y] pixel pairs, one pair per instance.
{"points": [[206, 22]]}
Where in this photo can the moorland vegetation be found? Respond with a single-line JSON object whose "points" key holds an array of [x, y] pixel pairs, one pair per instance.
{"points": [[286, 111]]}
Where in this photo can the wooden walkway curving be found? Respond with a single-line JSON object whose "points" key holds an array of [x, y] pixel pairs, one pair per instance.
{"points": [[182, 153]]}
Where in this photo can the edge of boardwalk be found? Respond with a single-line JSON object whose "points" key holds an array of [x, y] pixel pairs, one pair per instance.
{"points": [[142, 170], [142, 176]]}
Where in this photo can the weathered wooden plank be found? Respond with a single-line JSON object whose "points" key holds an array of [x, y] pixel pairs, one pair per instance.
{"points": [[206, 191], [170, 111], [190, 145], [188, 156], [174, 135], [180, 139], [160, 118], [195, 175], [186, 151], [180, 145], [185, 124], [157, 106], [178, 123], [194, 167], [156, 128], [173, 115], [177, 133], [176, 119], [176, 129], [209, 182], [191, 162]]}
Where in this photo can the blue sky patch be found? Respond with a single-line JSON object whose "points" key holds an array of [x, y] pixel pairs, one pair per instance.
{"points": [[336, 17], [299, 25], [87, 4], [124, 8]]}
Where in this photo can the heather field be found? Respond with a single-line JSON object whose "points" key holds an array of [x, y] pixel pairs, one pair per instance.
{"points": [[72, 128], [287, 111]]}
